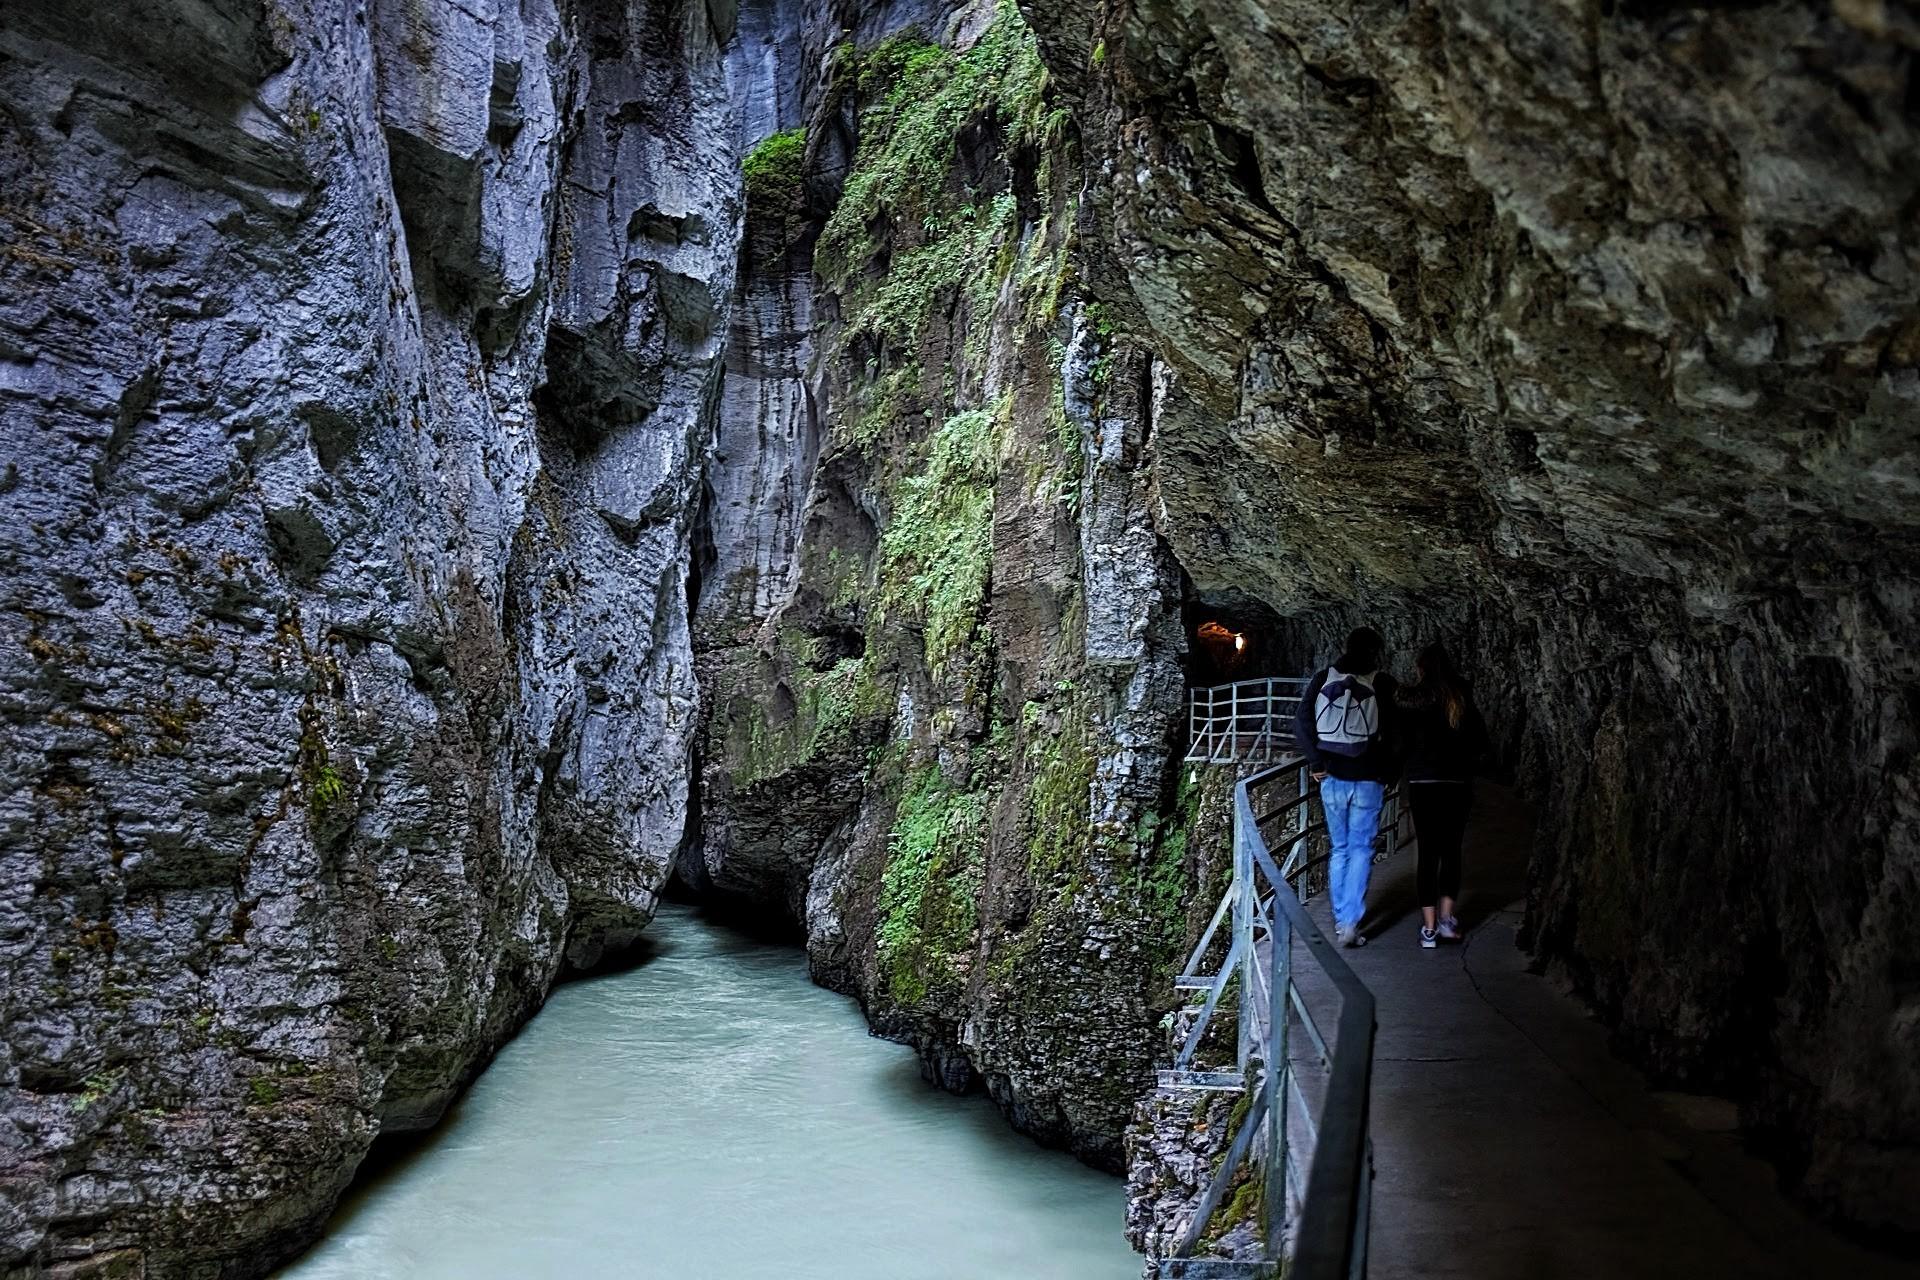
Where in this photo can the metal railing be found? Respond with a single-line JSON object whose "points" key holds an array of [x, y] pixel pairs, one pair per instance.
{"points": [[1248, 722], [1317, 1207]]}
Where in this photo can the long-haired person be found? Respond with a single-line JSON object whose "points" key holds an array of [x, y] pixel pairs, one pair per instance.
{"points": [[1446, 740]]}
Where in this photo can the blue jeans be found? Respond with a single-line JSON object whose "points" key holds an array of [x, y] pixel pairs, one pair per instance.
{"points": [[1353, 819]]}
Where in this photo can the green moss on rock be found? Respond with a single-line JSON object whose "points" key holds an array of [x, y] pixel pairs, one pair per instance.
{"points": [[828, 708], [936, 855], [937, 548], [920, 97], [772, 168], [773, 174], [1164, 883], [1058, 802], [943, 243]]}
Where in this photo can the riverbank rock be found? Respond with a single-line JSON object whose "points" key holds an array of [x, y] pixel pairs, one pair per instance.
{"points": [[354, 363], [1175, 1143], [943, 671]]}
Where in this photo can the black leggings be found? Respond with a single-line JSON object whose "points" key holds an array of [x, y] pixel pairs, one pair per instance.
{"points": [[1440, 822]]}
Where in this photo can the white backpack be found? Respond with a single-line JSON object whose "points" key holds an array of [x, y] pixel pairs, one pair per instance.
{"points": [[1346, 713]]}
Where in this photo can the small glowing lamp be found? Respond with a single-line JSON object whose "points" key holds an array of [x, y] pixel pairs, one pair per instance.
{"points": [[1239, 641]]}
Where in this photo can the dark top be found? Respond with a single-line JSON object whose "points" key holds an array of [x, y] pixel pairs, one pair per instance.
{"points": [[1379, 762], [1435, 750]]}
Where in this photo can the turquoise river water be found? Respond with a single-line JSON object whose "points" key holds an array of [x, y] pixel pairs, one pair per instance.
{"points": [[713, 1115]]}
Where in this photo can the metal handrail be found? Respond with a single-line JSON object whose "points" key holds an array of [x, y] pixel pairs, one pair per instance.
{"points": [[1248, 721], [1330, 1230]]}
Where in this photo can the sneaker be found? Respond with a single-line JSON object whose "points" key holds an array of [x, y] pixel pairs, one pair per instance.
{"points": [[1350, 936], [1429, 938], [1449, 927]]}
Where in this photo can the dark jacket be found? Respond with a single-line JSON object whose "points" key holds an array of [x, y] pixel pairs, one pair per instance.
{"points": [[1435, 750], [1379, 762]]}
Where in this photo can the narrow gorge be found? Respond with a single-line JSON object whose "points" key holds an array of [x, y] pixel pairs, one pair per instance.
{"points": [[475, 469]]}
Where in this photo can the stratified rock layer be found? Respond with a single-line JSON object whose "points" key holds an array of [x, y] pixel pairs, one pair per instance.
{"points": [[355, 364], [943, 672], [358, 364], [1583, 335]]}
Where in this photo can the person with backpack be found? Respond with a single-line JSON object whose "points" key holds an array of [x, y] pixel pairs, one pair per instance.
{"points": [[1446, 741], [1343, 726]]}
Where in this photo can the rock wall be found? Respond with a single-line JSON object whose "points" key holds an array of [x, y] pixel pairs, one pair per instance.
{"points": [[356, 365], [380, 380], [943, 679], [1584, 335]]}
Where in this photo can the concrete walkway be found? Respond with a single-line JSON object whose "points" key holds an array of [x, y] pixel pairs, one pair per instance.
{"points": [[1510, 1142]]}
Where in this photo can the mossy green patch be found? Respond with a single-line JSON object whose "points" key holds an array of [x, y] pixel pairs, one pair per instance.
{"points": [[919, 98], [1059, 802], [328, 788], [1163, 882], [774, 176], [884, 399], [772, 170], [945, 242], [844, 578], [1244, 1205], [937, 549], [828, 708], [95, 1088], [936, 856]]}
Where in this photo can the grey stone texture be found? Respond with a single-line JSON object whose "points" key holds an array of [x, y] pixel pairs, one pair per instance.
{"points": [[378, 380], [355, 365], [1053, 723], [1582, 335]]}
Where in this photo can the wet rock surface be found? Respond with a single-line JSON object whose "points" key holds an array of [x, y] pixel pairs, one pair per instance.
{"points": [[378, 390], [1174, 1145], [1582, 336], [356, 362], [943, 673]]}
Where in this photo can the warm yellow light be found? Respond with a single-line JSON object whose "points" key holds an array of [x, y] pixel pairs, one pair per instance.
{"points": [[1239, 642]]}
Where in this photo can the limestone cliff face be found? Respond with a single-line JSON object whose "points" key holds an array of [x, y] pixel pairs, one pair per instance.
{"points": [[378, 381], [943, 674], [1586, 336], [1582, 337], [355, 365]]}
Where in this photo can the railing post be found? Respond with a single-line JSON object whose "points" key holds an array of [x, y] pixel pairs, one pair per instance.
{"points": [[1268, 721], [1213, 726], [1297, 824], [1233, 720], [1244, 901], [1363, 1217], [1280, 979]]}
